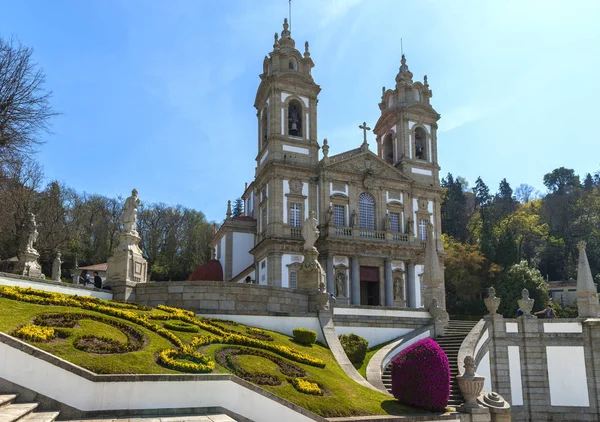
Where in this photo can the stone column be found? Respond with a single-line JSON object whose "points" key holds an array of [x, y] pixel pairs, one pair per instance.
{"points": [[389, 283], [411, 294], [330, 276], [355, 284]]}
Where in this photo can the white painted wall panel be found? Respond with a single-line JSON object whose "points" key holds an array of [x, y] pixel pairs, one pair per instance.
{"points": [[280, 324], [563, 327], [67, 290], [241, 256], [483, 369], [381, 313], [566, 376], [512, 327], [514, 370]]}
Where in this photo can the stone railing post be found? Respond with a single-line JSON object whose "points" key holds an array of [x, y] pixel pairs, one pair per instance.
{"points": [[525, 304], [470, 385], [491, 302]]}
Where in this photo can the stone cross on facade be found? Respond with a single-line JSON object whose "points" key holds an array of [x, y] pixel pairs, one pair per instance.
{"points": [[364, 127]]}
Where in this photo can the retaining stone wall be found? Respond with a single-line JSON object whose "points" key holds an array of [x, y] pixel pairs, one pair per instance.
{"points": [[225, 298], [533, 341]]}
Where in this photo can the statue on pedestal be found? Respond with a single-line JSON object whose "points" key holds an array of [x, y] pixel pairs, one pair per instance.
{"points": [[29, 234], [56, 267], [311, 276], [310, 232], [129, 216], [28, 257], [127, 263]]}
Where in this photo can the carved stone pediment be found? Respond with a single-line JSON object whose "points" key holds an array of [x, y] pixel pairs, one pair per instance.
{"points": [[370, 166]]}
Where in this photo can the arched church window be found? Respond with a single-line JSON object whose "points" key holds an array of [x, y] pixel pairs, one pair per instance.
{"points": [[366, 208], [294, 119], [292, 64], [388, 149], [264, 127], [420, 139]]}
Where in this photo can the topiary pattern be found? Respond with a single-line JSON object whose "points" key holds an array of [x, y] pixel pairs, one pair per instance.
{"points": [[421, 376], [304, 336], [355, 347]]}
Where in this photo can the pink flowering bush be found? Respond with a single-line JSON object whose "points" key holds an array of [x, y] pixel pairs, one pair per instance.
{"points": [[421, 376]]}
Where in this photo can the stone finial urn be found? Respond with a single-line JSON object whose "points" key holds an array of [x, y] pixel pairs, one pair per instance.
{"points": [[526, 304], [491, 302], [470, 383]]}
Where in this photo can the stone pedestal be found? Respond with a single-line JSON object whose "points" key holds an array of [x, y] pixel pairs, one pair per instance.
{"points": [[399, 303], [588, 306], [127, 263], [310, 275], [28, 264]]}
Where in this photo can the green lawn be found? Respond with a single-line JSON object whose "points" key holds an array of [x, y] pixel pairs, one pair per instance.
{"points": [[342, 396]]}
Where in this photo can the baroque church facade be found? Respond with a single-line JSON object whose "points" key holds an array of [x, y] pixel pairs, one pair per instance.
{"points": [[373, 208]]}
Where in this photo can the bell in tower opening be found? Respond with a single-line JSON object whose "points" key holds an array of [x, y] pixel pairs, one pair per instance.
{"points": [[294, 119]]}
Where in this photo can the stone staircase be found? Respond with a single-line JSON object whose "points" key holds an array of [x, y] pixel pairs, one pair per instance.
{"points": [[450, 343], [22, 412]]}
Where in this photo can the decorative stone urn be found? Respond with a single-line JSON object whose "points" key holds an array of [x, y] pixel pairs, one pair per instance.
{"points": [[491, 302], [526, 304], [470, 383]]}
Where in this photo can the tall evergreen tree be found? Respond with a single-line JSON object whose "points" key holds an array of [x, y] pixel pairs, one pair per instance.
{"points": [[238, 208]]}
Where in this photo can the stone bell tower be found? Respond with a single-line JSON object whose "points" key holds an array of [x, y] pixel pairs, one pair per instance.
{"points": [[407, 128], [286, 104], [287, 156]]}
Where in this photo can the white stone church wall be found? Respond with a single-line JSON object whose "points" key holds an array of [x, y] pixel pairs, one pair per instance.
{"points": [[287, 259], [221, 252], [241, 256]]}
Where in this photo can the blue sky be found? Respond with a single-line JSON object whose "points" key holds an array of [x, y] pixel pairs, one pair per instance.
{"points": [[159, 95]]}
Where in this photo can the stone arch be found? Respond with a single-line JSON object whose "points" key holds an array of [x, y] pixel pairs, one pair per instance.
{"points": [[420, 143]]}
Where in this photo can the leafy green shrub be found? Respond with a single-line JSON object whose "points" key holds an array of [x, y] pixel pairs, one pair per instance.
{"points": [[355, 347], [304, 336]]}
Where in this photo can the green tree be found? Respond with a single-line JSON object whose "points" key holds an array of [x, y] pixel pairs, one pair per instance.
{"points": [[238, 208], [455, 211], [483, 201], [513, 281]]}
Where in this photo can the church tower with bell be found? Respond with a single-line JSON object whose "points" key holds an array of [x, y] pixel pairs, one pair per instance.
{"points": [[406, 131], [287, 152]]}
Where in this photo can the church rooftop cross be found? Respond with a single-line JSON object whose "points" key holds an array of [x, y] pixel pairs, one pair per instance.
{"points": [[364, 127]]}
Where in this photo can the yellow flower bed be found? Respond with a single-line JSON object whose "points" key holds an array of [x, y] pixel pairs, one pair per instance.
{"points": [[186, 360], [305, 386], [35, 333], [224, 336]]}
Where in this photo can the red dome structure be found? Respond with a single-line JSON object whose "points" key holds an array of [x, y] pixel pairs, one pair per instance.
{"points": [[212, 270]]}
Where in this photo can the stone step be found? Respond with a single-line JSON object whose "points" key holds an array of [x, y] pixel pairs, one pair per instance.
{"points": [[40, 417], [14, 412], [7, 399]]}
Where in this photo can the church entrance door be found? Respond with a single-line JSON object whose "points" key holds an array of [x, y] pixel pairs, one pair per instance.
{"points": [[369, 285]]}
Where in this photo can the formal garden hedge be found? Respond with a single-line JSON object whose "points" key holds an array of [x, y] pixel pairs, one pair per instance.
{"points": [[355, 347], [109, 337], [421, 376]]}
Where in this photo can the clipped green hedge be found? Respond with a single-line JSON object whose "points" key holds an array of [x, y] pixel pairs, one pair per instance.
{"points": [[355, 347], [304, 336]]}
